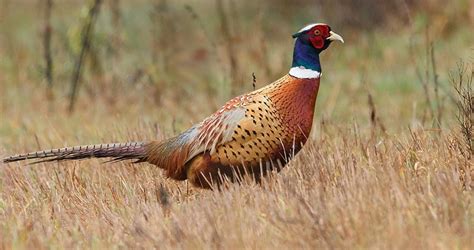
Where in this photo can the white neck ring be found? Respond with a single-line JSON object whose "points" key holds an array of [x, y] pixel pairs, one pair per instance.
{"points": [[301, 72]]}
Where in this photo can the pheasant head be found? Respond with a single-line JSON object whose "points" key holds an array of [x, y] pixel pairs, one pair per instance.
{"points": [[310, 41]]}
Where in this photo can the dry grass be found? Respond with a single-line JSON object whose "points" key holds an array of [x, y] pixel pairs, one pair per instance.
{"points": [[342, 191], [375, 174]]}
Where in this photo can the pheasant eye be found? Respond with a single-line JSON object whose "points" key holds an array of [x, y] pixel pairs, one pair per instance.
{"points": [[317, 32]]}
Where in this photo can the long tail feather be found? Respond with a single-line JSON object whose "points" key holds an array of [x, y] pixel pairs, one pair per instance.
{"points": [[116, 151]]}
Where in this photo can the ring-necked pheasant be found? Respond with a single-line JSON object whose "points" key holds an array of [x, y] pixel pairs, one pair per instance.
{"points": [[251, 134]]}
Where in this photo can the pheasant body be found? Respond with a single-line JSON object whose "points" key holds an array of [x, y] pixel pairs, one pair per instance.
{"points": [[251, 134]]}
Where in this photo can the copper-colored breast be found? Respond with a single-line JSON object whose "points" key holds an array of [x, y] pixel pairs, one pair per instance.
{"points": [[277, 121]]}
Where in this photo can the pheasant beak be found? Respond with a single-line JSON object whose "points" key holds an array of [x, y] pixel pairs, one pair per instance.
{"points": [[335, 37]]}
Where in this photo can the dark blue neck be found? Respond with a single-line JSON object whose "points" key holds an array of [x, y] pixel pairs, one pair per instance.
{"points": [[306, 55]]}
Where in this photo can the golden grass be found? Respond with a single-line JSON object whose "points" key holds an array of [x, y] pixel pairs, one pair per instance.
{"points": [[344, 190]]}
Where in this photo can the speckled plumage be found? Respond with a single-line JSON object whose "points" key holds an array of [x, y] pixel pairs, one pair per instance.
{"points": [[276, 122], [250, 135]]}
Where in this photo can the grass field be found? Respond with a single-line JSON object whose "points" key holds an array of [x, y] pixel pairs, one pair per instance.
{"points": [[387, 164]]}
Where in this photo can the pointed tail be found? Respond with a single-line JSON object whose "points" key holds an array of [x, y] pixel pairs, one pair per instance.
{"points": [[117, 151]]}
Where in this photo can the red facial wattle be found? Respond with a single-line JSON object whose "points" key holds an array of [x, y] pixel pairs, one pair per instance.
{"points": [[318, 35], [317, 42]]}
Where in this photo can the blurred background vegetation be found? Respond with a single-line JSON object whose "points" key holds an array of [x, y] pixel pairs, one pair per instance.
{"points": [[168, 64]]}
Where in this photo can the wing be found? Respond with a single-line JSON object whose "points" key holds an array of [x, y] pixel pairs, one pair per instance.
{"points": [[173, 154], [219, 128], [258, 137]]}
